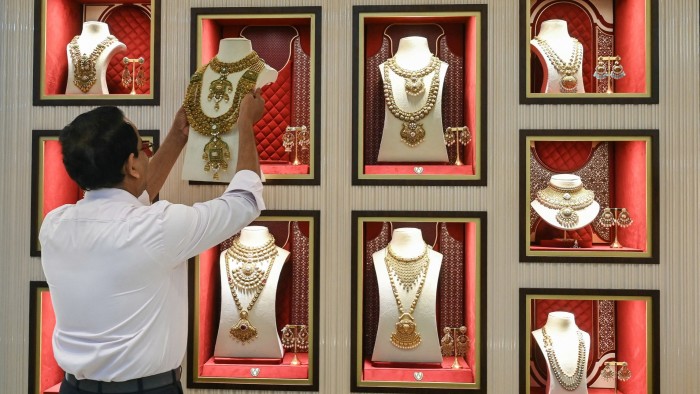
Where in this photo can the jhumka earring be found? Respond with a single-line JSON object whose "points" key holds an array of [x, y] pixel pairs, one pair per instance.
{"points": [[136, 77], [608, 373], [601, 71], [607, 219], [617, 72], [624, 219], [624, 374]]}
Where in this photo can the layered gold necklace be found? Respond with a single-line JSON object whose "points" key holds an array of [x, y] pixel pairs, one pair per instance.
{"points": [[412, 132], [568, 382], [566, 201], [567, 71], [216, 152], [246, 277], [84, 66], [408, 271]]}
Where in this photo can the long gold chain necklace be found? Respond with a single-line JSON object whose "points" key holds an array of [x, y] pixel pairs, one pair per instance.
{"points": [[246, 278], [412, 132], [567, 71], [84, 66], [568, 382], [566, 201], [216, 152], [405, 335], [413, 80]]}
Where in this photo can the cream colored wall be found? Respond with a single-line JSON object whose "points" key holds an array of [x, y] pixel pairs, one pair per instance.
{"points": [[677, 117]]}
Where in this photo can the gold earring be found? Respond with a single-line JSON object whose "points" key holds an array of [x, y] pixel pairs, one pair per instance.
{"points": [[617, 72], [624, 374], [607, 373], [607, 219], [624, 219], [601, 72]]}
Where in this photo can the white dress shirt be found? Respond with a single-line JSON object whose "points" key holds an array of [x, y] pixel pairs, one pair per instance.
{"points": [[118, 281]]}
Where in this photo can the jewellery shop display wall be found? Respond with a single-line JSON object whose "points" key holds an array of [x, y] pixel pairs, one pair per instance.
{"points": [[96, 52], [589, 51], [676, 117], [589, 341]]}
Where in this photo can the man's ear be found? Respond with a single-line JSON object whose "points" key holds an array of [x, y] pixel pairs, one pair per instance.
{"points": [[130, 167]]}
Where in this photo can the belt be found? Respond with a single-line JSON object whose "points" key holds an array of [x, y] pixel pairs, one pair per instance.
{"points": [[128, 386]]}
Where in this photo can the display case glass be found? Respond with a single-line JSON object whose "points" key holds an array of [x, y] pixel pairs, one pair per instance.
{"points": [[288, 40], [589, 341], [264, 337], [589, 196], [589, 52], [96, 52], [419, 95], [419, 301], [51, 185]]}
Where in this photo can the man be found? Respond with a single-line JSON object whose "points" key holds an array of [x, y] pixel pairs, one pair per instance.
{"points": [[115, 264]]}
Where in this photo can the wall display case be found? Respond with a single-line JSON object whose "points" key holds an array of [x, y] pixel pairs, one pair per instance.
{"points": [[589, 51], [589, 341], [589, 196], [51, 185], [419, 99], [44, 373], [419, 301], [254, 320], [288, 41], [96, 52]]}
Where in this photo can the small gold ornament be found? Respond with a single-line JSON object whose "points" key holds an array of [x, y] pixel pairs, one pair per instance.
{"points": [[243, 331], [567, 71], [84, 66]]}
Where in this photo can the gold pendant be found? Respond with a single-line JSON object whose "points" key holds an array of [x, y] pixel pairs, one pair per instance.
{"points": [[85, 74], [414, 86], [219, 90], [412, 133], [567, 84], [216, 155], [406, 337], [243, 331]]}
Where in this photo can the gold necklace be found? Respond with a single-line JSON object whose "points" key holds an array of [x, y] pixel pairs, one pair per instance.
{"points": [[405, 335], [249, 275], [407, 270], [568, 382], [220, 88], [413, 80], [216, 152], [84, 66], [412, 132], [567, 71], [243, 331], [566, 201]]}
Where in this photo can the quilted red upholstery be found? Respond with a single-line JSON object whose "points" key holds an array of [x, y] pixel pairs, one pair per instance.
{"points": [[563, 156], [131, 24], [269, 130]]}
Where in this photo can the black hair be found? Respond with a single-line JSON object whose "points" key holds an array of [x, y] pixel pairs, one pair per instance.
{"points": [[95, 146]]}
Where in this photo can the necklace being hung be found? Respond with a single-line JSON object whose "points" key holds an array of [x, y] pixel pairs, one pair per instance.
{"points": [[405, 335], [248, 276], [216, 152], [567, 71], [568, 382], [566, 201], [412, 132], [84, 66]]}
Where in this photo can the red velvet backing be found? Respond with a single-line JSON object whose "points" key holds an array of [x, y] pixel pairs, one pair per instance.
{"points": [[50, 372], [632, 334], [59, 188], [631, 44], [630, 191], [64, 21]]}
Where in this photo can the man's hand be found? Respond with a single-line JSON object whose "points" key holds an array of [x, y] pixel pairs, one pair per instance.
{"points": [[251, 108], [180, 122]]}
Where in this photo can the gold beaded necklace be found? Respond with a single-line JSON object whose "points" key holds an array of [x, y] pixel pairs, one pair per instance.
{"points": [[405, 335], [413, 80], [412, 132], [568, 382], [248, 276], [84, 66], [216, 152], [567, 201], [567, 71]]}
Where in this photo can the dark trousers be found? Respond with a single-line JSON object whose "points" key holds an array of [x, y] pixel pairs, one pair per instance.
{"points": [[173, 388]]}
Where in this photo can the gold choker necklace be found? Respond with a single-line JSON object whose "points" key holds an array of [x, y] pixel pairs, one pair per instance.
{"points": [[246, 277], [405, 335], [412, 132], [84, 66], [216, 152], [568, 382], [567, 71], [567, 201], [413, 80]]}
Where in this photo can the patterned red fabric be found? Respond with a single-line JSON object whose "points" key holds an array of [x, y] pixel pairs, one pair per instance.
{"points": [[563, 156], [131, 24]]}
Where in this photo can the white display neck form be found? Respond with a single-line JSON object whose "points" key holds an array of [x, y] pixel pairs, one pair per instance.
{"points": [[94, 30], [407, 242], [254, 236], [554, 30], [413, 53], [233, 49], [565, 181], [561, 323]]}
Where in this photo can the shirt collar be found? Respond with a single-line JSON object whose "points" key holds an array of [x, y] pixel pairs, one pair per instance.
{"points": [[113, 194]]}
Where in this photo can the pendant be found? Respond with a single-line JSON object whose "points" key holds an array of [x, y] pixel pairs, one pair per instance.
{"points": [[219, 90], [567, 84], [216, 155], [412, 133], [243, 331], [405, 336], [414, 86], [567, 217]]}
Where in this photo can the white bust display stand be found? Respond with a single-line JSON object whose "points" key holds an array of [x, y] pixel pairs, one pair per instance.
{"points": [[92, 35], [230, 50], [585, 215], [561, 328], [556, 33], [413, 54], [263, 316], [407, 242]]}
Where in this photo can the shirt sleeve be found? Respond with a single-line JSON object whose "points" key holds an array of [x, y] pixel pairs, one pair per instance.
{"points": [[188, 231]]}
